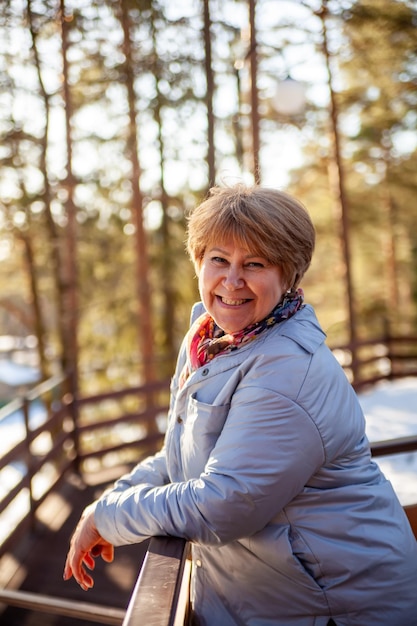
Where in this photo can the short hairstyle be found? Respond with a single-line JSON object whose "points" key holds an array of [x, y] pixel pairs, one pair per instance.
{"points": [[270, 223]]}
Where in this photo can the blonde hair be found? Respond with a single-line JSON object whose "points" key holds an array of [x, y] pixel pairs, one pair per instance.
{"points": [[270, 223]]}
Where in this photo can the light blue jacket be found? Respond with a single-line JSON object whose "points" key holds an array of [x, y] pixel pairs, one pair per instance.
{"points": [[266, 469]]}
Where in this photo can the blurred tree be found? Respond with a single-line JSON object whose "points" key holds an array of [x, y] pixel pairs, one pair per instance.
{"points": [[379, 73], [136, 205], [45, 197], [20, 204], [69, 295], [208, 65], [179, 98]]}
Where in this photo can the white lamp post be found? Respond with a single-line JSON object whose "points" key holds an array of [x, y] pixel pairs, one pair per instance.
{"points": [[290, 97]]}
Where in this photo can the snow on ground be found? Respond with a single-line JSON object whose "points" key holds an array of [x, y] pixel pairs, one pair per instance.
{"points": [[390, 409], [14, 374]]}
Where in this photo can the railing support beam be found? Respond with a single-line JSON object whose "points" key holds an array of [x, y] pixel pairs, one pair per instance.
{"points": [[57, 606], [155, 599]]}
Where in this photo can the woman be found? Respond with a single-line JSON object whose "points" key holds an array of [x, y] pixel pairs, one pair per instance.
{"points": [[266, 468]]}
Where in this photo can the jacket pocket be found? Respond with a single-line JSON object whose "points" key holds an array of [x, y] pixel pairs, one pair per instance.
{"points": [[274, 545], [202, 426]]}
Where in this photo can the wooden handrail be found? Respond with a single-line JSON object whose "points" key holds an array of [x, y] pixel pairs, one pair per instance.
{"points": [[160, 596], [157, 599], [11, 407], [58, 606], [377, 359], [156, 385], [394, 446], [46, 386]]}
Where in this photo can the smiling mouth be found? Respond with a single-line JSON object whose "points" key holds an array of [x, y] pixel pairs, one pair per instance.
{"points": [[230, 302]]}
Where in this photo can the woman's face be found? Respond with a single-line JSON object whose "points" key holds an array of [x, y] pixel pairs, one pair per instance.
{"points": [[238, 287]]}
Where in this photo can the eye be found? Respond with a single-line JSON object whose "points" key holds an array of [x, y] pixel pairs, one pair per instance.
{"points": [[255, 264], [218, 259]]}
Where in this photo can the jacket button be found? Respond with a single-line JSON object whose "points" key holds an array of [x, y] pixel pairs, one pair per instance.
{"points": [[179, 419], [205, 371], [198, 563]]}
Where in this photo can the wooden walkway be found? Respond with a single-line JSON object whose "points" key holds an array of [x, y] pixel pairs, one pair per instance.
{"points": [[37, 564]]}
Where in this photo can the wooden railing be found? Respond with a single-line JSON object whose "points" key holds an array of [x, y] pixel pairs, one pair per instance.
{"points": [[58, 434], [43, 454], [120, 426], [161, 594], [367, 362], [90, 433], [87, 611]]}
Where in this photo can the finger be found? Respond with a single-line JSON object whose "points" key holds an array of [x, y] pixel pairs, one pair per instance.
{"points": [[86, 583], [74, 567], [67, 571], [68, 568], [83, 578], [89, 561], [107, 553]]}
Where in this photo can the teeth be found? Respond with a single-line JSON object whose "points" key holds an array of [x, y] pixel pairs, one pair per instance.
{"points": [[233, 302]]}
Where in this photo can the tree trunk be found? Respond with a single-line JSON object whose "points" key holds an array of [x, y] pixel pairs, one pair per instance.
{"points": [[209, 95], [56, 264], [143, 287], [337, 182], [253, 56], [70, 300]]}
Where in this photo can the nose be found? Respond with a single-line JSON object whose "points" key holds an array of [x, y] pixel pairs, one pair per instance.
{"points": [[233, 278]]}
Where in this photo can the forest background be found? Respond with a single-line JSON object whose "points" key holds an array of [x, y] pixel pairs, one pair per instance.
{"points": [[116, 116]]}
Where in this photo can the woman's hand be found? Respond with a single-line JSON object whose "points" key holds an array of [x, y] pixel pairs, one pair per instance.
{"points": [[86, 543]]}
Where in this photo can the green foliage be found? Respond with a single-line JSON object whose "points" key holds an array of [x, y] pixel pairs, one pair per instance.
{"points": [[373, 49]]}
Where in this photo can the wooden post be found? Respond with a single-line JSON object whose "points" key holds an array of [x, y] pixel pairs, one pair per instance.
{"points": [[253, 56], [29, 459]]}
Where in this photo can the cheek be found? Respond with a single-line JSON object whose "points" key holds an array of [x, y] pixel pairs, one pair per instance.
{"points": [[205, 277], [202, 281], [281, 283], [276, 293], [201, 290]]}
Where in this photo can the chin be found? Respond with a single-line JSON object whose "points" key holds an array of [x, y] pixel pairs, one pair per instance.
{"points": [[230, 328]]}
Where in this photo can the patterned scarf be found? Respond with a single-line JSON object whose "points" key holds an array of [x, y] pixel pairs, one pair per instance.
{"points": [[206, 340]]}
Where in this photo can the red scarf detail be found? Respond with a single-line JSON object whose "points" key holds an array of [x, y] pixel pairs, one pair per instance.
{"points": [[206, 340]]}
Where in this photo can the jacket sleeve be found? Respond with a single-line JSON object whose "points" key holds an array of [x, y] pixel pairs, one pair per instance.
{"points": [[266, 453], [152, 470]]}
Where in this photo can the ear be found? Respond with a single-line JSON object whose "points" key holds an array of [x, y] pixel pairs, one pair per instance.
{"points": [[295, 281]]}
